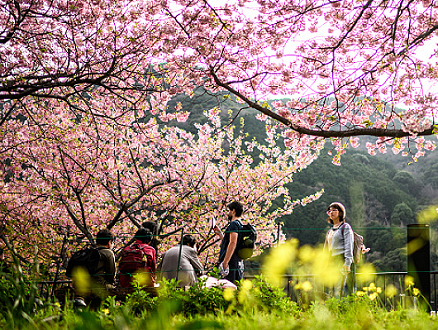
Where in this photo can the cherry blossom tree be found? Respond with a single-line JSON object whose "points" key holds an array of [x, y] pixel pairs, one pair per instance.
{"points": [[350, 68], [68, 178], [81, 80]]}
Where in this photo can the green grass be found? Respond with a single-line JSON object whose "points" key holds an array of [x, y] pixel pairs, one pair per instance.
{"points": [[254, 306]]}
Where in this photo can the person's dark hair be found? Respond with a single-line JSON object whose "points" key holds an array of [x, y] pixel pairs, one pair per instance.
{"points": [[104, 236], [151, 225], [340, 208], [189, 240], [238, 207], [144, 235]]}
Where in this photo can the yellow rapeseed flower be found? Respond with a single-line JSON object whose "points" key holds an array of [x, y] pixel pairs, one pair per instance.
{"points": [[326, 271], [409, 281], [143, 279], [391, 291], [360, 293], [307, 254], [106, 311], [306, 286], [373, 295], [246, 285], [366, 273], [280, 259], [228, 294], [429, 215], [82, 280], [415, 291]]}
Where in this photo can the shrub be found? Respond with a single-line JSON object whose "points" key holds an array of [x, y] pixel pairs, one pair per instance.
{"points": [[19, 299]]}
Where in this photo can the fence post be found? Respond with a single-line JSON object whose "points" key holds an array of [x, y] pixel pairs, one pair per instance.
{"points": [[180, 251], [418, 249]]}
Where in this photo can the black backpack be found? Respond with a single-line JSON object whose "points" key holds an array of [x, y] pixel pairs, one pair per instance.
{"points": [[87, 258], [247, 239]]}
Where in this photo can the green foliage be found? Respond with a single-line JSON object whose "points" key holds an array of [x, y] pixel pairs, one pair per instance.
{"points": [[273, 299], [19, 294], [402, 215], [199, 300], [255, 306], [140, 302]]}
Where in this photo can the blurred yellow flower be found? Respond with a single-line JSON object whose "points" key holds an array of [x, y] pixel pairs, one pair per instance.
{"points": [[366, 273], [429, 215], [373, 295], [379, 290], [360, 293], [81, 280], [409, 281], [372, 287], [415, 291], [307, 254], [326, 271], [246, 285], [143, 279], [391, 291], [106, 311], [280, 259], [228, 294], [306, 286]]}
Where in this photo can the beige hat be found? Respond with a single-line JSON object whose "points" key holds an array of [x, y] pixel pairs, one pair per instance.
{"points": [[342, 207]]}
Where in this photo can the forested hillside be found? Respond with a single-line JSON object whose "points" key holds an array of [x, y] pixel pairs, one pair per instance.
{"points": [[382, 193], [380, 202]]}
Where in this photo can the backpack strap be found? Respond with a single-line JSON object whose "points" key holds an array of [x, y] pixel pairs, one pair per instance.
{"points": [[342, 228]]}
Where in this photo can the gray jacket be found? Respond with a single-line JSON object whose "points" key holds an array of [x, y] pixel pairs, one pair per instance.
{"points": [[189, 265], [342, 243]]}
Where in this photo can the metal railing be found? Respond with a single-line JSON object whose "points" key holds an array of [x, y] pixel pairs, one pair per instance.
{"points": [[382, 280]]}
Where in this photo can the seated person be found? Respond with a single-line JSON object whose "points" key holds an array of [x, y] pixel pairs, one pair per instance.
{"points": [[153, 227], [181, 262], [106, 273], [138, 258], [103, 278]]}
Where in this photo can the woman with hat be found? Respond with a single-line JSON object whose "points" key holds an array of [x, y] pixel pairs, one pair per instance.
{"points": [[339, 243]]}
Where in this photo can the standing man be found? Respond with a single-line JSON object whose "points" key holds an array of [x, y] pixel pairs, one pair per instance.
{"points": [[230, 265]]}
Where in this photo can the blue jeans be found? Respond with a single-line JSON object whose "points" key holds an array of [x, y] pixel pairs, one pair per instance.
{"points": [[347, 284], [236, 269]]}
